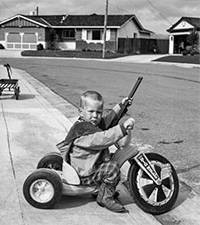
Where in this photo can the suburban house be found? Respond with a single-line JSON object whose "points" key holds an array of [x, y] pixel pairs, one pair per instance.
{"points": [[180, 31], [71, 32]]}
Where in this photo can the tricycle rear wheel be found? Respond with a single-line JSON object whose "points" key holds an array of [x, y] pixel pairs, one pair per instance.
{"points": [[43, 188], [52, 160]]}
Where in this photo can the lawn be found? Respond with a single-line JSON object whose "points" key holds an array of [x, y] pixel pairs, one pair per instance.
{"points": [[108, 55], [71, 54], [193, 59]]}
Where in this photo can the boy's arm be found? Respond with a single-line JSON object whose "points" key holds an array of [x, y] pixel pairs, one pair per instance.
{"points": [[108, 119], [112, 118], [101, 140]]}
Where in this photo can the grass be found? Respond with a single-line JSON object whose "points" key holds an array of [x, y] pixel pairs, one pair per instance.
{"points": [[193, 59], [109, 55], [71, 54]]}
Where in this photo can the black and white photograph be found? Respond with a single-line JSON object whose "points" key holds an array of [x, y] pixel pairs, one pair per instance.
{"points": [[100, 112]]}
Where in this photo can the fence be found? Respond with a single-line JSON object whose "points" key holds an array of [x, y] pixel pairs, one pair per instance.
{"points": [[142, 46]]}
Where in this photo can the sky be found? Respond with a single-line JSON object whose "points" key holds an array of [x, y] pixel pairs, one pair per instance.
{"points": [[154, 15]]}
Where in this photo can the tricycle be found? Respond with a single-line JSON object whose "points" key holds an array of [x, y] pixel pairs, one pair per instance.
{"points": [[152, 179]]}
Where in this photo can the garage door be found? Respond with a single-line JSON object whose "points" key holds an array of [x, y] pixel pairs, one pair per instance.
{"points": [[23, 41]]}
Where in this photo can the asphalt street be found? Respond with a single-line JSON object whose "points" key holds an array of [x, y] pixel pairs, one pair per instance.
{"points": [[166, 106]]}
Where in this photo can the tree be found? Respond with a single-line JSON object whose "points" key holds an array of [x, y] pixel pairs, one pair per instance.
{"points": [[193, 38], [52, 43]]}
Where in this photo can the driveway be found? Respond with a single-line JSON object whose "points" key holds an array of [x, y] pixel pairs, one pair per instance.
{"points": [[10, 53]]}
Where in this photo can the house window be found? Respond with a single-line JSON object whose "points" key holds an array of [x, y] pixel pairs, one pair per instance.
{"points": [[113, 34], [69, 34], [96, 34]]}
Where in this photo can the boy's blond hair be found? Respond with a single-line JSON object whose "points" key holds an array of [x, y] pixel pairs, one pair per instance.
{"points": [[92, 95]]}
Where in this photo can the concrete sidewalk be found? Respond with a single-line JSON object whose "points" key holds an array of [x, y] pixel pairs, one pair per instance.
{"points": [[10, 53], [31, 127]]}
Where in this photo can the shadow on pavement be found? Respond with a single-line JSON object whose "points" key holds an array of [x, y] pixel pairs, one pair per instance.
{"points": [[184, 193], [26, 96], [73, 201], [7, 96]]}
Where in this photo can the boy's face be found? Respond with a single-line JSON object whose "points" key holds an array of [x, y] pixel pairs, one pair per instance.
{"points": [[92, 111]]}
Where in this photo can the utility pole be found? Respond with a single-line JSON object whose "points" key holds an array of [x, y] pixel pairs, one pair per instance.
{"points": [[105, 27]]}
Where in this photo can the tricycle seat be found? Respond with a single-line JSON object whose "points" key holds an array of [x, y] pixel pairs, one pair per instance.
{"points": [[69, 174]]}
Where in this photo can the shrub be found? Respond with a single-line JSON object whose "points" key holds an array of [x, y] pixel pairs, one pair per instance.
{"points": [[40, 47], [191, 50], [1, 46], [194, 51], [81, 45]]}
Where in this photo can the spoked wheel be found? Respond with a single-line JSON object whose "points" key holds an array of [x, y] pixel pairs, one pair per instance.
{"points": [[52, 160], [43, 188], [153, 198]]}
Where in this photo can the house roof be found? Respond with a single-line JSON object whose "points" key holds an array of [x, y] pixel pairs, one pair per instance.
{"points": [[194, 21], [93, 20]]}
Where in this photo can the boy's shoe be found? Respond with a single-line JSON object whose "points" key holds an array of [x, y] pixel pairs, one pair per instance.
{"points": [[115, 196], [105, 199]]}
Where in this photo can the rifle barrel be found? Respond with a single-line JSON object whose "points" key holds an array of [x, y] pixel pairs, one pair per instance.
{"points": [[134, 89], [125, 105]]}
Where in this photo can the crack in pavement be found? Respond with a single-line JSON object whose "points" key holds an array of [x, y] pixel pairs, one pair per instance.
{"points": [[12, 162], [187, 169]]}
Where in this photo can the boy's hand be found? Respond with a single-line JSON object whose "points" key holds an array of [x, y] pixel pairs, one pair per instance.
{"points": [[129, 124], [130, 101]]}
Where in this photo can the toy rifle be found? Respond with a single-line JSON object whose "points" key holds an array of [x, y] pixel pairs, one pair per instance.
{"points": [[124, 107]]}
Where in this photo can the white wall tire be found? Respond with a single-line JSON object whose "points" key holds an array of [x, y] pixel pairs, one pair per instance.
{"points": [[43, 188]]}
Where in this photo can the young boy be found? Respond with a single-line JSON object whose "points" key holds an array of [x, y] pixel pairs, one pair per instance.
{"points": [[88, 141]]}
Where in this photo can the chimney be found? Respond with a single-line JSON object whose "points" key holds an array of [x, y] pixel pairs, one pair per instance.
{"points": [[37, 11]]}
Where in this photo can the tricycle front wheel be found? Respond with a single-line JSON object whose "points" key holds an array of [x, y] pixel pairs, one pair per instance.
{"points": [[153, 198]]}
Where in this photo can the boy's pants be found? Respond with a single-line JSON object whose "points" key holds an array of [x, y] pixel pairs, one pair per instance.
{"points": [[108, 173]]}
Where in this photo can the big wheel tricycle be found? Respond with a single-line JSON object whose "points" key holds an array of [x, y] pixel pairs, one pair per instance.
{"points": [[152, 179]]}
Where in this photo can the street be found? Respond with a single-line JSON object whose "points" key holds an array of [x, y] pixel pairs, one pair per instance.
{"points": [[166, 107]]}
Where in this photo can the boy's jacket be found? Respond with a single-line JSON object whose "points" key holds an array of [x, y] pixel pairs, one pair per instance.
{"points": [[86, 159], [80, 128]]}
